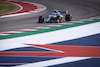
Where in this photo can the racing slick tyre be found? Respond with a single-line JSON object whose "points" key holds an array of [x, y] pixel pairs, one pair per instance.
{"points": [[68, 17], [41, 19]]}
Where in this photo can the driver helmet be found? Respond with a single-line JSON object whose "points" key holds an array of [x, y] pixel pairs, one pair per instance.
{"points": [[55, 10]]}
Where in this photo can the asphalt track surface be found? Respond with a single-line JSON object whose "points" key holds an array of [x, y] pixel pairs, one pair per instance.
{"points": [[80, 9]]}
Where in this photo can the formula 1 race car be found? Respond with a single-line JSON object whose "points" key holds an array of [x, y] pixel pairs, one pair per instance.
{"points": [[65, 16]]}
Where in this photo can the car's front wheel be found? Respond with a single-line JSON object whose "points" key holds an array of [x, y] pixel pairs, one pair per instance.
{"points": [[41, 19]]}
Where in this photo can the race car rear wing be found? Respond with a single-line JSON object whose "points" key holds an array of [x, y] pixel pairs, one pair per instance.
{"points": [[63, 11]]}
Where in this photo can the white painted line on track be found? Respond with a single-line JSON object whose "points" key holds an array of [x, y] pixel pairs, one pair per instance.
{"points": [[49, 49], [14, 15], [54, 62]]}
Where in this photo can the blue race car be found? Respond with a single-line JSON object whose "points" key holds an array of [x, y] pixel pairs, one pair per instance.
{"points": [[56, 16]]}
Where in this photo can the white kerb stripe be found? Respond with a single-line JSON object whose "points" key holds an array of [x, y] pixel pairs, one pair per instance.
{"points": [[54, 62]]}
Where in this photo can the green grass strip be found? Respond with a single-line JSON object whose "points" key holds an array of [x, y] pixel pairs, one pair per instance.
{"points": [[6, 7], [48, 30]]}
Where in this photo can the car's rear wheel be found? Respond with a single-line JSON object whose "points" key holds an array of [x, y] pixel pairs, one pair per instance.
{"points": [[68, 17]]}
